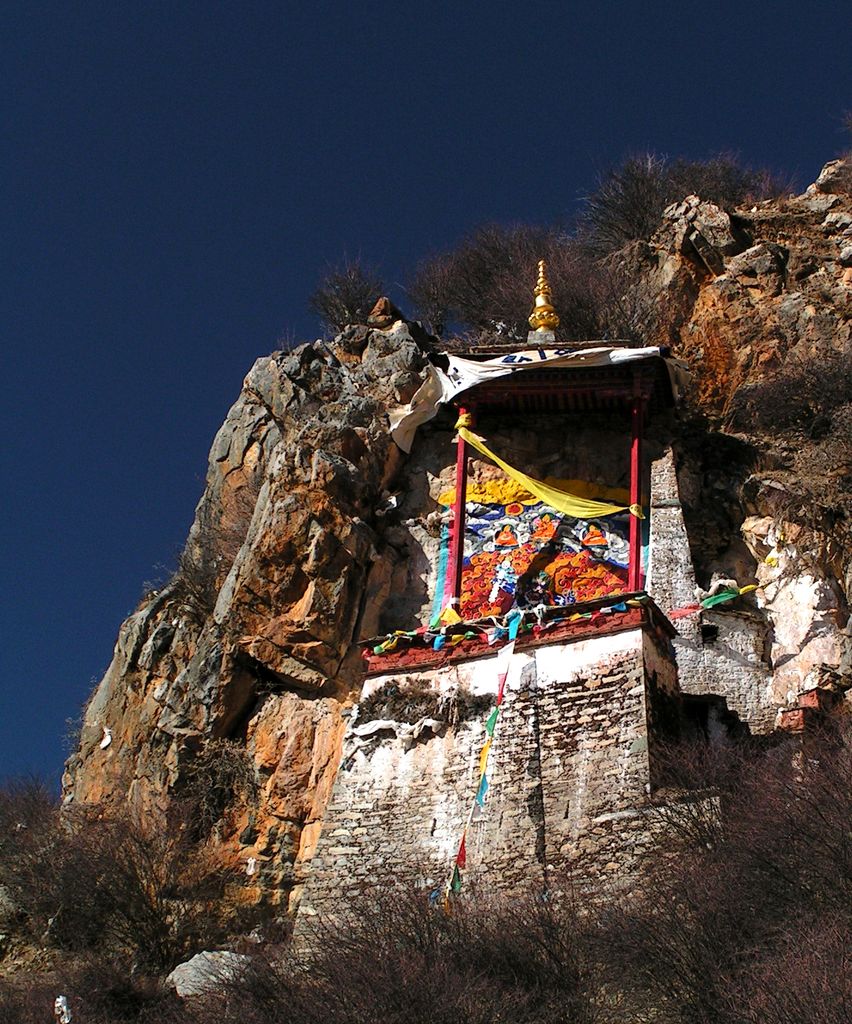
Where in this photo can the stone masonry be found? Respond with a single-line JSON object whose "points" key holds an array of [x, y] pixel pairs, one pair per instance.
{"points": [[570, 770], [720, 651]]}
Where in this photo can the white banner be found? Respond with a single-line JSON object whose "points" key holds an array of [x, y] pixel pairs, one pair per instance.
{"points": [[441, 387]]}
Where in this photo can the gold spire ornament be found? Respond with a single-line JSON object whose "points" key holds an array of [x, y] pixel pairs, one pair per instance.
{"points": [[543, 318]]}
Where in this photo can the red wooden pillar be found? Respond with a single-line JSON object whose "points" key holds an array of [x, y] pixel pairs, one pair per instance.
{"points": [[452, 587], [634, 571]]}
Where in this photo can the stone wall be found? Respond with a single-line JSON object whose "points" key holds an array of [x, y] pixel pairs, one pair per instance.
{"points": [[721, 651], [569, 774]]}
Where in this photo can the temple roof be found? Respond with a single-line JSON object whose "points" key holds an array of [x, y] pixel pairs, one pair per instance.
{"points": [[579, 377]]}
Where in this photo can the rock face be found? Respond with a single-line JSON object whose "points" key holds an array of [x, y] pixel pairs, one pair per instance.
{"points": [[295, 553], [759, 303], [252, 641]]}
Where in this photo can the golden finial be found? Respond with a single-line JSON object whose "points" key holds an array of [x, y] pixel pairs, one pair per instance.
{"points": [[544, 318]]}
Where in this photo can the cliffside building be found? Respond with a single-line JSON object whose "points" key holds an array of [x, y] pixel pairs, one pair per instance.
{"points": [[513, 739]]}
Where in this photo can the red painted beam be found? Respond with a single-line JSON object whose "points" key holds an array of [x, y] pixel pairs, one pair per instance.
{"points": [[424, 658], [452, 587], [634, 571]]}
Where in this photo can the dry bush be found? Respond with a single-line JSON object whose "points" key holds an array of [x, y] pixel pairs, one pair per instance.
{"points": [[29, 836], [93, 880], [221, 775], [804, 394], [346, 294], [485, 286], [629, 200], [397, 958], [413, 701], [401, 703], [157, 895], [217, 536], [486, 283], [803, 414], [27, 1001], [98, 991], [738, 898], [805, 976]]}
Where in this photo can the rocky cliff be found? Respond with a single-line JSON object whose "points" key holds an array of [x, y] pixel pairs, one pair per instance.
{"points": [[295, 551]]}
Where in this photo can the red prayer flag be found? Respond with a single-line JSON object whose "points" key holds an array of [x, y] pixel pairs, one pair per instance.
{"points": [[687, 609], [461, 858]]}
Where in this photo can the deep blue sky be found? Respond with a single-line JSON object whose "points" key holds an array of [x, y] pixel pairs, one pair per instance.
{"points": [[176, 176]]}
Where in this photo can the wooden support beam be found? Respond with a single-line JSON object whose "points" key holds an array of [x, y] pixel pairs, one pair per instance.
{"points": [[452, 587], [635, 579]]}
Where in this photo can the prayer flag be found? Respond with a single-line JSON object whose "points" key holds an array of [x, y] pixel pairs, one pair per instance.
{"points": [[492, 721], [483, 757], [483, 789], [461, 856], [456, 882], [562, 501], [504, 658], [687, 609], [728, 594]]}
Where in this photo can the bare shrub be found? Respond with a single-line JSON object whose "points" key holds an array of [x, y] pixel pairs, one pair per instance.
{"points": [[486, 283], [737, 899], [485, 286], [431, 290], [398, 959], [98, 880], [221, 775], [401, 703], [803, 394], [628, 202], [27, 805], [805, 976], [411, 702], [346, 294], [803, 413], [217, 535], [157, 894], [27, 1001], [29, 827], [98, 991]]}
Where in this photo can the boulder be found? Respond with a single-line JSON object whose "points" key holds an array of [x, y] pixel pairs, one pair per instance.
{"points": [[206, 972], [835, 178]]}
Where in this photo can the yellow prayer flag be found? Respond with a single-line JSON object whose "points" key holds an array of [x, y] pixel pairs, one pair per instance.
{"points": [[483, 757], [449, 616], [562, 501]]}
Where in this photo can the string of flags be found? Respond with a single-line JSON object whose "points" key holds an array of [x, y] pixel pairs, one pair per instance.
{"points": [[448, 629], [504, 657], [514, 620]]}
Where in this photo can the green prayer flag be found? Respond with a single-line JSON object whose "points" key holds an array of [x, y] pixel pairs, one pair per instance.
{"points": [[724, 595], [492, 721], [456, 883]]}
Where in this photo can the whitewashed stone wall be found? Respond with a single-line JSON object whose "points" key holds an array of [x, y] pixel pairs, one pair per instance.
{"points": [[569, 775], [734, 665]]}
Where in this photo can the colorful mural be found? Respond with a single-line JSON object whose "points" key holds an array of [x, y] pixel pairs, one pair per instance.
{"points": [[520, 552]]}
